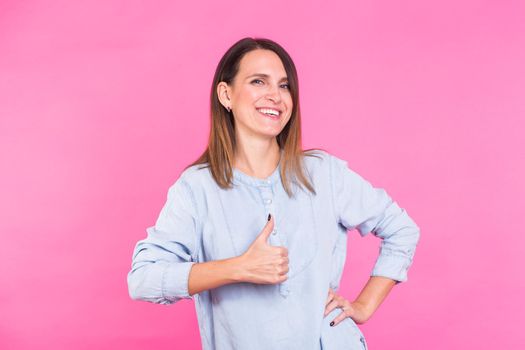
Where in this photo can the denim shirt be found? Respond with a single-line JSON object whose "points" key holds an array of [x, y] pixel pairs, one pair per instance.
{"points": [[201, 222]]}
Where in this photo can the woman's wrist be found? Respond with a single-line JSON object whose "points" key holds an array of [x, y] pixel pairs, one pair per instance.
{"points": [[366, 310], [234, 269], [373, 294]]}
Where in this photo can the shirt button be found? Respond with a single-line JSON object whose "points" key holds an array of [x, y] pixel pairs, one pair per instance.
{"points": [[268, 182], [274, 232], [268, 201]]}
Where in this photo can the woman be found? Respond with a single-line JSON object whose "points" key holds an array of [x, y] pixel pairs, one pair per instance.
{"points": [[255, 230]]}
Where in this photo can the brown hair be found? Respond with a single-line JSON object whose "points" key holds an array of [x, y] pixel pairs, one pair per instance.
{"points": [[221, 143]]}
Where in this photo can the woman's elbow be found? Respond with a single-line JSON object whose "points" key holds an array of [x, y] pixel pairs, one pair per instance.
{"points": [[141, 286], [416, 234], [134, 286]]}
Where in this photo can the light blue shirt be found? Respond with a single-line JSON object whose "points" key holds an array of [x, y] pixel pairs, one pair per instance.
{"points": [[201, 222]]}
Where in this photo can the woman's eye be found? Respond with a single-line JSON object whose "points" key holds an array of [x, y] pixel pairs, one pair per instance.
{"points": [[286, 86]]}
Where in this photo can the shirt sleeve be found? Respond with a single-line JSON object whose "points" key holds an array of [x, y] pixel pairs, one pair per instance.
{"points": [[162, 261], [359, 205]]}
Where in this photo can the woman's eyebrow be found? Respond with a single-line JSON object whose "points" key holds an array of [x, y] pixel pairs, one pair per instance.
{"points": [[264, 76]]}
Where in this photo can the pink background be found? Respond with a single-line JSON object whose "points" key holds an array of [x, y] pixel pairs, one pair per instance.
{"points": [[103, 103]]}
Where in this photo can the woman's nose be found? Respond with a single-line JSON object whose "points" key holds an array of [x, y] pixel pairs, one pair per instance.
{"points": [[274, 94]]}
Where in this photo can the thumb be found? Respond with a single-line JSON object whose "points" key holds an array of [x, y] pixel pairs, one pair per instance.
{"points": [[267, 230]]}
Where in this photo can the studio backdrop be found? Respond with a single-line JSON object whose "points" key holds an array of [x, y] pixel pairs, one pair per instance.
{"points": [[103, 104]]}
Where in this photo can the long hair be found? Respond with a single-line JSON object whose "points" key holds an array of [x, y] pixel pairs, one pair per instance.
{"points": [[219, 154]]}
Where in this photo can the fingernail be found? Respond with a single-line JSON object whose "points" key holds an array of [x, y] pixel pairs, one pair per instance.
{"points": [[269, 216], [332, 324]]}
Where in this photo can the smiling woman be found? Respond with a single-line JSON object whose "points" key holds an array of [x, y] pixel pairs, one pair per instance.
{"points": [[258, 96], [254, 75], [255, 230]]}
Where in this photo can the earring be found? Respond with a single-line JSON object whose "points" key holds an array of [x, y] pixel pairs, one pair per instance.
{"points": [[229, 109]]}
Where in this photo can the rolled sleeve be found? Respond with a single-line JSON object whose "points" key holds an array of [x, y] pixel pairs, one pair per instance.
{"points": [[175, 281], [392, 266], [162, 262], [361, 206]]}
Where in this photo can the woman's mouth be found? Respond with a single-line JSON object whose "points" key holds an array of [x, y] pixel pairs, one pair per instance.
{"points": [[270, 113]]}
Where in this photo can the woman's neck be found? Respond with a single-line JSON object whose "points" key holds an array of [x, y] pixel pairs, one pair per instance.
{"points": [[258, 160]]}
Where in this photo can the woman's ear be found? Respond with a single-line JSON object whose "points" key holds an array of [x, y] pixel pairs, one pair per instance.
{"points": [[223, 94]]}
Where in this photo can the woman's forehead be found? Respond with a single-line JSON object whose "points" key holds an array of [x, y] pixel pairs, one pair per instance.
{"points": [[264, 63]]}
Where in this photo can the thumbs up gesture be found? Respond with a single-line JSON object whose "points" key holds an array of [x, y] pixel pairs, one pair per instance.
{"points": [[263, 263]]}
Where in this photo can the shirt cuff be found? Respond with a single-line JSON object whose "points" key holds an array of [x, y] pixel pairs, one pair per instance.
{"points": [[392, 266], [175, 281]]}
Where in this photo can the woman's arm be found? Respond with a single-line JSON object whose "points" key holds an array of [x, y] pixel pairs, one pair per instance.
{"points": [[213, 274], [361, 309], [164, 266], [262, 263], [162, 261], [359, 205], [373, 294]]}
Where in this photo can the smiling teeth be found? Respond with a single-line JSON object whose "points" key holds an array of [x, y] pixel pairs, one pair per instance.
{"points": [[268, 111]]}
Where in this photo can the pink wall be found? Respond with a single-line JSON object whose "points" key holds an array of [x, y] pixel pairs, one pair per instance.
{"points": [[103, 103]]}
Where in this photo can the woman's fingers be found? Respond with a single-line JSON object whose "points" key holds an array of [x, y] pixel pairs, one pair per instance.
{"points": [[284, 271], [341, 316], [331, 305], [336, 301], [356, 311], [329, 297]]}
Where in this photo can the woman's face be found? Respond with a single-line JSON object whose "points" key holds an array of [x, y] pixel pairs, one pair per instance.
{"points": [[260, 84]]}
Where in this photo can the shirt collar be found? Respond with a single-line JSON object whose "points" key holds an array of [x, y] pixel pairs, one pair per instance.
{"points": [[254, 181]]}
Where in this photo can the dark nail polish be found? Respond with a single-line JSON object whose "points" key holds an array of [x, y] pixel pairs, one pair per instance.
{"points": [[269, 216], [332, 324]]}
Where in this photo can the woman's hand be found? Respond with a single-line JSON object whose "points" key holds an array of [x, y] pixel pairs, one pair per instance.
{"points": [[263, 263], [355, 310]]}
